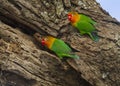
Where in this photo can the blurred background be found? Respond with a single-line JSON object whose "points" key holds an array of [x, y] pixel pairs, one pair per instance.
{"points": [[111, 6]]}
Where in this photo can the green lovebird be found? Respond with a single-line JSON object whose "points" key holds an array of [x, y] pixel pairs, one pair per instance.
{"points": [[59, 47], [84, 24]]}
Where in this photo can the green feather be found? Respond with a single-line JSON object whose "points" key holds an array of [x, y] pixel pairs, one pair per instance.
{"points": [[68, 55], [87, 28], [94, 36], [87, 19], [62, 49]]}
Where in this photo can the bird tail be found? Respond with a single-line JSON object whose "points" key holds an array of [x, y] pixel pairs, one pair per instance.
{"points": [[71, 56], [74, 56], [94, 36]]}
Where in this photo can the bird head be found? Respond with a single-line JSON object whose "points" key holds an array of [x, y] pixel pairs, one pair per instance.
{"points": [[43, 42], [73, 17], [47, 41]]}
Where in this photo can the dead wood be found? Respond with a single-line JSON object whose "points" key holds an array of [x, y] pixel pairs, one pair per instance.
{"points": [[30, 64]]}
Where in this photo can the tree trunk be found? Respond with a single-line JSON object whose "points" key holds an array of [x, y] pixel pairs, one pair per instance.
{"points": [[24, 62]]}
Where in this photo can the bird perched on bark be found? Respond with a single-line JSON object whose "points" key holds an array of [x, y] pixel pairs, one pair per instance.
{"points": [[59, 47], [84, 24]]}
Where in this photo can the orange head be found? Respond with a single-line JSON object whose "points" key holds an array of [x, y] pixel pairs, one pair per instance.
{"points": [[73, 17], [47, 41]]}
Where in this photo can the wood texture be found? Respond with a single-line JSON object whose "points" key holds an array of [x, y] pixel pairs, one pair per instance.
{"points": [[24, 59]]}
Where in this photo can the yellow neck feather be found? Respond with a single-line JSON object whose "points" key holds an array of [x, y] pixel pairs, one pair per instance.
{"points": [[76, 18], [49, 41]]}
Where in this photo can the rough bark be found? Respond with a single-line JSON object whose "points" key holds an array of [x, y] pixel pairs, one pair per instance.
{"points": [[24, 62]]}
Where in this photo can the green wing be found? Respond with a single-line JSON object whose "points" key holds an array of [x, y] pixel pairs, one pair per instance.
{"points": [[62, 49], [59, 47], [87, 19], [87, 28]]}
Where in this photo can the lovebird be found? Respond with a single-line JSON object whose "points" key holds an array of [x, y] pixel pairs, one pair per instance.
{"points": [[84, 24], [59, 47]]}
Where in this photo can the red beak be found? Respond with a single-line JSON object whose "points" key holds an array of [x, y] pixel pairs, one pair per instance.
{"points": [[43, 42], [69, 17]]}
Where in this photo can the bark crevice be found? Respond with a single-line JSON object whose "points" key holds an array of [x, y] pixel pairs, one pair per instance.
{"points": [[23, 56]]}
